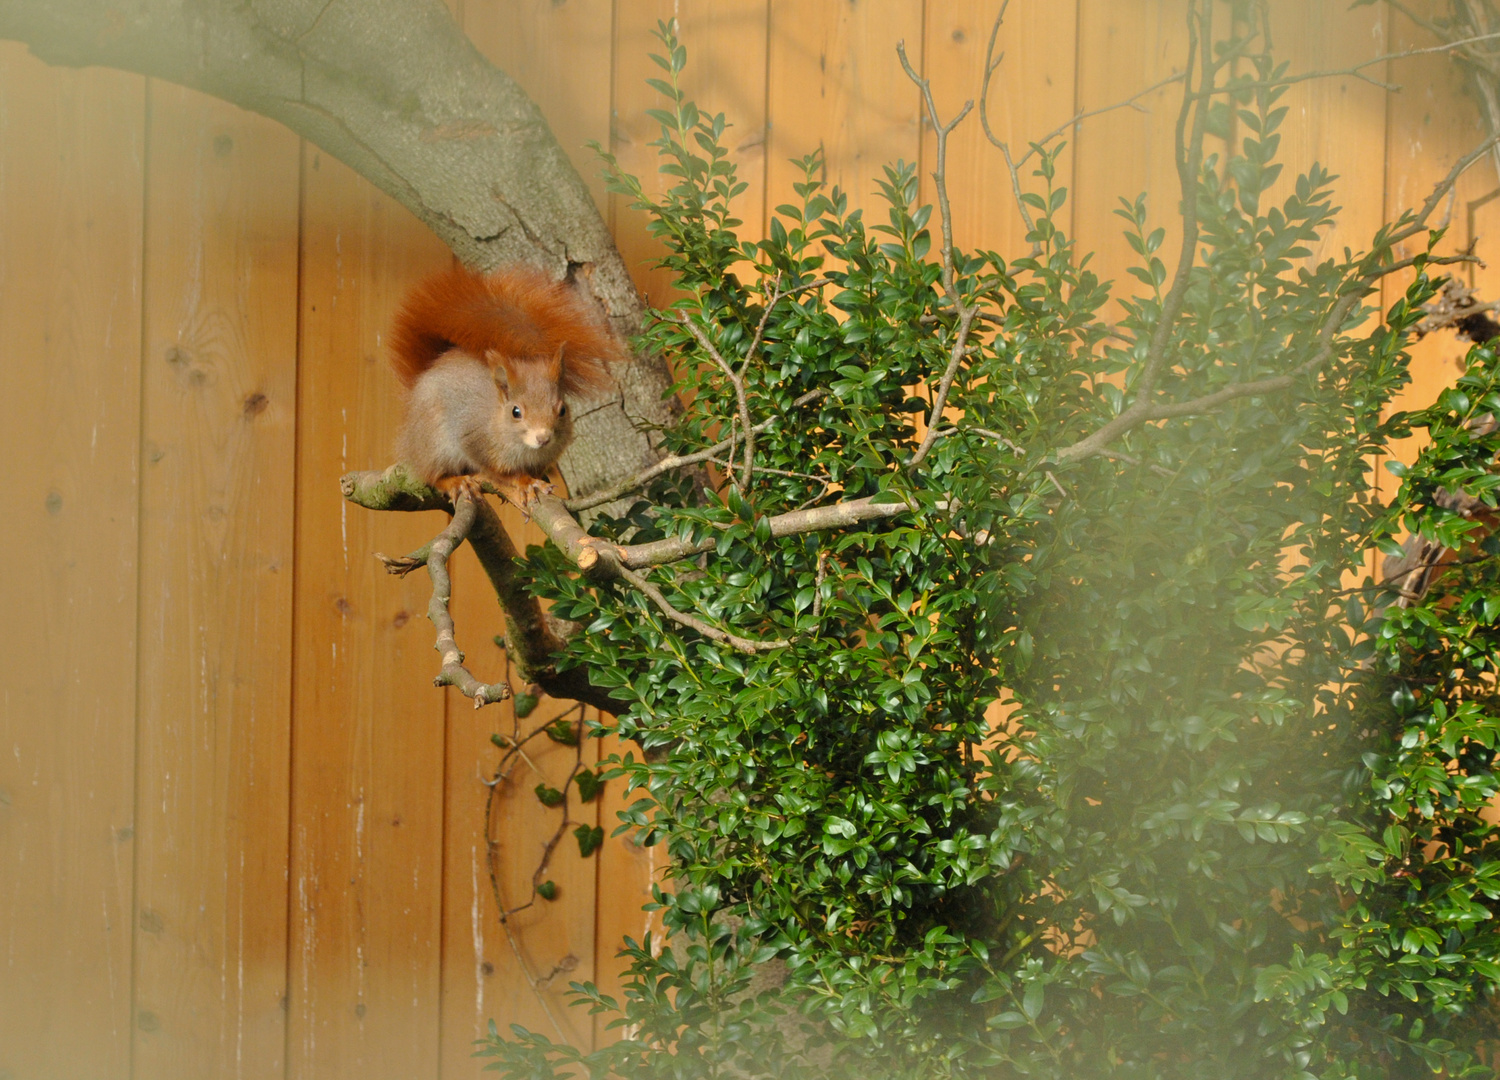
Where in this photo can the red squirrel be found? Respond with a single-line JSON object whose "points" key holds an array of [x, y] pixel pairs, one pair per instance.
{"points": [[488, 362]]}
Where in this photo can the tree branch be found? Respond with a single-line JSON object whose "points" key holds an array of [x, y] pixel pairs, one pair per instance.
{"points": [[1144, 412], [966, 312], [676, 461], [530, 637], [713, 633], [601, 560], [702, 338], [453, 672]]}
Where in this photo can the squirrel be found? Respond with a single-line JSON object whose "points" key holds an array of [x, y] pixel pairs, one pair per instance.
{"points": [[488, 362]]}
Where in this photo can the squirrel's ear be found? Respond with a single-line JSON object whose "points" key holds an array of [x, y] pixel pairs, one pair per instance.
{"points": [[499, 369], [555, 365]]}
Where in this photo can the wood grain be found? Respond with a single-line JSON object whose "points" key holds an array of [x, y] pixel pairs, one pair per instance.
{"points": [[368, 727], [835, 82], [219, 369], [560, 54], [627, 872], [71, 158]]}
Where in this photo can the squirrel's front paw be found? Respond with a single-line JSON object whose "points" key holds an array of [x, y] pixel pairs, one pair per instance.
{"points": [[523, 491], [455, 486]]}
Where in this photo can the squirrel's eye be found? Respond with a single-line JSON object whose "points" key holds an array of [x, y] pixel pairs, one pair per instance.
{"points": [[515, 410], [562, 410]]}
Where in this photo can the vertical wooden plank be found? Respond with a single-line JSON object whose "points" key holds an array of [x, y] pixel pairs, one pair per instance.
{"points": [[627, 872], [219, 368], [1031, 94], [1338, 122], [1124, 47], [71, 161], [559, 51], [488, 973], [726, 73], [368, 727], [1432, 123], [835, 82], [561, 55]]}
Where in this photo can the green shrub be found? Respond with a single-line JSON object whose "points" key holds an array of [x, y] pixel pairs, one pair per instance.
{"points": [[1230, 824]]}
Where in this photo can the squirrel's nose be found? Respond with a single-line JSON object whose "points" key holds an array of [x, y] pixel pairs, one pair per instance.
{"points": [[542, 438]]}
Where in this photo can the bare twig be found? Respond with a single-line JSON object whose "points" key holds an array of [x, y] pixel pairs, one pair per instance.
{"points": [[1144, 412], [1419, 223], [453, 672], [1189, 160], [967, 312], [824, 480], [1127, 103], [839, 515], [1355, 70], [492, 864], [777, 296], [702, 338], [940, 172], [681, 618], [677, 461], [1425, 24], [401, 565], [940, 399], [1013, 165], [531, 638]]}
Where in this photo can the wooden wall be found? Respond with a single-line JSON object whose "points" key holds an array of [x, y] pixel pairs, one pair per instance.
{"points": [[240, 833]]}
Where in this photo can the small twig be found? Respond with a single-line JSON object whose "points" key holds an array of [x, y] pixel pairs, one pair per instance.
{"points": [[1127, 103], [453, 672], [824, 480], [819, 575], [739, 392], [1419, 223], [1425, 24], [777, 296], [940, 399], [837, 515], [1144, 412], [1013, 166], [940, 170], [1428, 260], [1189, 161], [713, 633], [492, 864], [402, 565], [991, 65], [1355, 71], [967, 313], [677, 461]]}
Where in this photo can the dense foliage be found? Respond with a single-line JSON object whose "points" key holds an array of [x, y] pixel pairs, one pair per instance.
{"points": [[1114, 763]]}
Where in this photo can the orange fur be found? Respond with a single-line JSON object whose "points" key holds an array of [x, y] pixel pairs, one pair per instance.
{"points": [[518, 313]]}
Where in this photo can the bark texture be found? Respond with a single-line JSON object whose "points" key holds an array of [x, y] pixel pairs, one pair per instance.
{"points": [[395, 90]]}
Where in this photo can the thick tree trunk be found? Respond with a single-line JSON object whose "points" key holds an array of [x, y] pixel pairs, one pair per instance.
{"points": [[394, 90]]}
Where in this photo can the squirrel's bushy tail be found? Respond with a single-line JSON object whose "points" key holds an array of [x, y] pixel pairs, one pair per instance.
{"points": [[518, 312]]}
